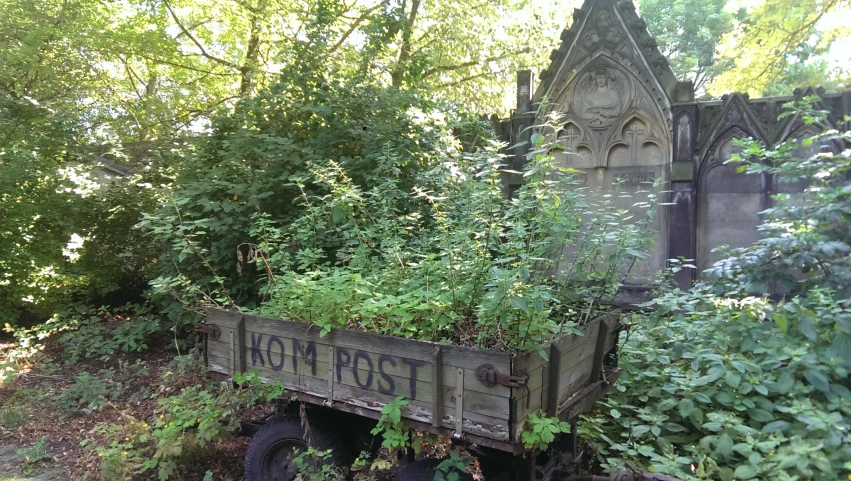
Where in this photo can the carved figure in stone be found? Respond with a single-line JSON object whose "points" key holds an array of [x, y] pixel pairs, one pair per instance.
{"points": [[601, 103], [604, 32]]}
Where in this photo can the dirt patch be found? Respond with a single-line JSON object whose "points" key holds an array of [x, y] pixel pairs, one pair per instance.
{"points": [[10, 467]]}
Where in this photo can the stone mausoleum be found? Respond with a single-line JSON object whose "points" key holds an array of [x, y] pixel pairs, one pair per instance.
{"points": [[629, 122]]}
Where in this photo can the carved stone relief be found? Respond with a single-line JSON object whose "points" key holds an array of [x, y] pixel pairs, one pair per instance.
{"points": [[612, 121], [604, 32], [601, 96], [575, 147]]}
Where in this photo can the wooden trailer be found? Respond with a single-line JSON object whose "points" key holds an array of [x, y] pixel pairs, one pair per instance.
{"points": [[475, 396]]}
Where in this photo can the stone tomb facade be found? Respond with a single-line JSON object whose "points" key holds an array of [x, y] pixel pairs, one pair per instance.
{"points": [[628, 122]]}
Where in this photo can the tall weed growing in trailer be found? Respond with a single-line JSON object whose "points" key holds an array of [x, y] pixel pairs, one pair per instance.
{"points": [[463, 263]]}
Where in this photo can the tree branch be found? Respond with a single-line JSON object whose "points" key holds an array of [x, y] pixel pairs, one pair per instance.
{"points": [[472, 63], [351, 29], [195, 41]]}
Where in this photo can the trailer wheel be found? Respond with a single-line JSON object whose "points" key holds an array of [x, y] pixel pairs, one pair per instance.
{"points": [[425, 470], [272, 450]]}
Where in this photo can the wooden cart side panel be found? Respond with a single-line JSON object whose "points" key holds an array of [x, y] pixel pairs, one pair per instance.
{"points": [[264, 347], [413, 349], [367, 370], [568, 370]]}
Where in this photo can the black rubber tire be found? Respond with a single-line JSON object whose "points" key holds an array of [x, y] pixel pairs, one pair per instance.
{"points": [[269, 455], [424, 470]]}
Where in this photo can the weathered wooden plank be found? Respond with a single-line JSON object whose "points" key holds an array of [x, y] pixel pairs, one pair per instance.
{"points": [[414, 349], [552, 387], [240, 344], [576, 378], [223, 318], [344, 392], [475, 403], [437, 381], [309, 359], [574, 355], [290, 380], [600, 351]]}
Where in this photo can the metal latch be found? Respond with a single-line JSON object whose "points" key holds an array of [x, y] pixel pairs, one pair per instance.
{"points": [[490, 377], [211, 330]]}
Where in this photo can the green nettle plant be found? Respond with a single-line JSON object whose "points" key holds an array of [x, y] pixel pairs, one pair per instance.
{"points": [[466, 265], [252, 163], [181, 427], [391, 226], [723, 382]]}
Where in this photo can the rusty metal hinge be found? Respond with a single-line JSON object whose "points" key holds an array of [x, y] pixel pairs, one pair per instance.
{"points": [[211, 330], [490, 377]]}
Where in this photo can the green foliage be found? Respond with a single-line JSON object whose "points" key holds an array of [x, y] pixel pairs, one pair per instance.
{"points": [[542, 430], [688, 32], [12, 416], [89, 392], [66, 237], [722, 382], [344, 225], [445, 256], [315, 465], [101, 338], [251, 164], [395, 434], [182, 426], [34, 454], [778, 44], [450, 469]]}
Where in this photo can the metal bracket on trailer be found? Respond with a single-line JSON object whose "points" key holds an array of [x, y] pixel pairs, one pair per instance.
{"points": [[212, 331], [490, 377]]}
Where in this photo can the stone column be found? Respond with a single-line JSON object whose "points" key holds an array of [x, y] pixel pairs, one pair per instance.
{"points": [[521, 123], [682, 214]]}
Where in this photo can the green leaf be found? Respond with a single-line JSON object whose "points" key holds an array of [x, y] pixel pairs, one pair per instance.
{"points": [[519, 303], [782, 321], [725, 445], [745, 471], [686, 407], [817, 380], [775, 426], [760, 415], [733, 379]]}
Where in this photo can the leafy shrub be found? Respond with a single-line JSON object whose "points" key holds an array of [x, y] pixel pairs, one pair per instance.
{"points": [[314, 465], [722, 382], [89, 392], [248, 165], [66, 235], [12, 416], [541, 431], [395, 434], [468, 266], [102, 335], [34, 454], [181, 427], [450, 469]]}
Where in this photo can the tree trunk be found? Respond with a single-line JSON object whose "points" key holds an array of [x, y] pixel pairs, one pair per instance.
{"points": [[150, 96], [398, 74], [249, 66]]}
